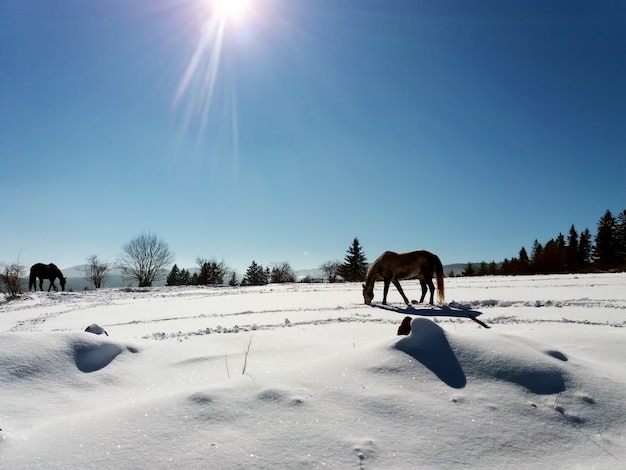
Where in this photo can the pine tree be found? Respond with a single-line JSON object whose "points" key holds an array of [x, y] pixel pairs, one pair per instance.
{"points": [[523, 262], [620, 239], [469, 270], [506, 267], [212, 272], [355, 265], [232, 281], [256, 275], [482, 269], [605, 253], [572, 261], [536, 257], [173, 278], [584, 250], [551, 260], [561, 254]]}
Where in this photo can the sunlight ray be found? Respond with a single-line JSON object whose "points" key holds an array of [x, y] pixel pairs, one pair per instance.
{"points": [[197, 86]]}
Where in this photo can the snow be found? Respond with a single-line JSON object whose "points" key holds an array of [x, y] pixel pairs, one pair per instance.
{"points": [[304, 376]]}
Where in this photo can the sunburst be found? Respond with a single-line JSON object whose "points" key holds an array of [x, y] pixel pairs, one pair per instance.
{"points": [[197, 87]]}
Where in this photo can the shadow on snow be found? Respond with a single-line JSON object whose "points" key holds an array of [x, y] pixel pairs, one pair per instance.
{"points": [[428, 344], [430, 311]]}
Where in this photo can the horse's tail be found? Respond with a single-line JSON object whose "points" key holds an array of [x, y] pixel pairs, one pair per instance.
{"points": [[441, 292], [32, 280]]}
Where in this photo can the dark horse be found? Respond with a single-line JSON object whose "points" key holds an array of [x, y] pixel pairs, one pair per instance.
{"points": [[391, 267], [45, 271]]}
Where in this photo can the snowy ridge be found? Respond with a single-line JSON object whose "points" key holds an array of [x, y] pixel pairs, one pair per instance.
{"points": [[311, 378]]}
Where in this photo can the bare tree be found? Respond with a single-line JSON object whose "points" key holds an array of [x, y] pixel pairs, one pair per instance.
{"points": [[282, 273], [97, 271], [11, 278], [331, 270], [146, 259]]}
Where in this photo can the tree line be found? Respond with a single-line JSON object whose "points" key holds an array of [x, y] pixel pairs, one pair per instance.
{"points": [[146, 259], [574, 253], [212, 272]]}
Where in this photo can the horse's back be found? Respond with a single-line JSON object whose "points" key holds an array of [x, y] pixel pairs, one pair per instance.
{"points": [[37, 267], [391, 264], [44, 269]]}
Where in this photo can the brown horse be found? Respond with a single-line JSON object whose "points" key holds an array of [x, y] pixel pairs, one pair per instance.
{"points": [[390, 267], [45, 271]]}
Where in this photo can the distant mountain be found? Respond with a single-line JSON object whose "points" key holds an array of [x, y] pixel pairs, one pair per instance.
{"points": [[456, 268]]}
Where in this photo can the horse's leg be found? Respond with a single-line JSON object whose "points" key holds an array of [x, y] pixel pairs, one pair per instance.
{"points": [[385, 290], [424, 290], [431, 286], [40, 284], [397, 284]]}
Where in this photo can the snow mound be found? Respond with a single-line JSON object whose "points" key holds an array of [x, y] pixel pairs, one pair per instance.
{"points": [[38, 357], [491, 357], [428, 343], [90, 357]]}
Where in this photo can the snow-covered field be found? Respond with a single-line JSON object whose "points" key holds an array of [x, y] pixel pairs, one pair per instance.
{"points": [[305, 376]]}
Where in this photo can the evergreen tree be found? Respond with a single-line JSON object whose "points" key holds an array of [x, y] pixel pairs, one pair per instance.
{"points": [[572, 262], [469, 270], [211, 271], [620, 240], [185, 278], [551, 259], [355, 265], [536, 257], [492, 270], [482, 269], [506, 267], [584, 250], [232, 281], [173, 278], [523, 262], [605, 253], [255, 275]]}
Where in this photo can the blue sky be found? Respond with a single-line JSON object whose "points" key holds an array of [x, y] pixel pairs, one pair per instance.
{"points": [[465, 128]]}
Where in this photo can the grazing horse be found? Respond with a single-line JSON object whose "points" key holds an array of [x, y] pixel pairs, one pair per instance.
{"points": [[45, 271], [390, 267]]}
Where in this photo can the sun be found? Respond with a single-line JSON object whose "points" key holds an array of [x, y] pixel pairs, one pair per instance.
{"points": [[229, 9]]}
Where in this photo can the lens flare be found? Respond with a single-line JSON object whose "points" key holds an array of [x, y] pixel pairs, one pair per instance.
{"points": [[200, 81], [229, 9]]}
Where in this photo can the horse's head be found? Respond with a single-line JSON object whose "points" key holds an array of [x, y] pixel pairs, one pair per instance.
{"points": [[62, 280], [368, 294]]}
